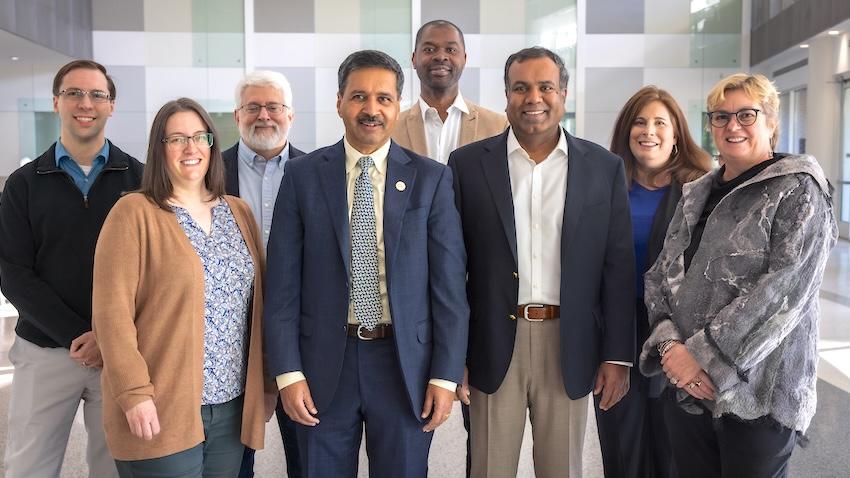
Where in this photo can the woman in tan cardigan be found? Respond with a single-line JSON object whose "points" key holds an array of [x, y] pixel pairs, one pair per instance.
{"points": [[177, 311]]}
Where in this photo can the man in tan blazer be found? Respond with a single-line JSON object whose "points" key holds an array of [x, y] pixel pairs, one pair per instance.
{"points": [[441, 120]]}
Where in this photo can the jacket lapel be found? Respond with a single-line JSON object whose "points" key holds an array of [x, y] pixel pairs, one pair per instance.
{"points": [[416, 129], [399, 170], [468, 125], [577, 170], [495, 166], [332, 178]]}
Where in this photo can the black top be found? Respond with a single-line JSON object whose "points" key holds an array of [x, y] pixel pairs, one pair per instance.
{"points": [[719, 190], [48, 232]]}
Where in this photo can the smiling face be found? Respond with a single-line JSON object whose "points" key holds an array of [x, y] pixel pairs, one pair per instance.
{"points": [[368, 107], [535, 98], [652, 137], [439, 58], [187, 165], [83, 121], [263, 132], [742, 147]]}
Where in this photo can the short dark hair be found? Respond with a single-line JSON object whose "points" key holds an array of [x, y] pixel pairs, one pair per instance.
{"points": [[369, 59], [438, 23], [538, 52], [156, 184], [85, 65]]}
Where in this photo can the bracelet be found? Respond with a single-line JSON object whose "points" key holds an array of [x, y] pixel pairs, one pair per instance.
{"points": [[665, 346]]}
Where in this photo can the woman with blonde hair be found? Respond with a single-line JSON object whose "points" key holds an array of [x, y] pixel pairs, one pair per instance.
{"points": [[177, 309], [651, 135], [733, 297]]}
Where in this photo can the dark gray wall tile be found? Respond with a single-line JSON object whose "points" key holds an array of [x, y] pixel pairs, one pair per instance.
{"points": [[118, 15], [615, 16], [275, 16]]}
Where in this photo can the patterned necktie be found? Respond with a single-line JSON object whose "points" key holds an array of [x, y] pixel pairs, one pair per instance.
{"points": [[364, 251]]}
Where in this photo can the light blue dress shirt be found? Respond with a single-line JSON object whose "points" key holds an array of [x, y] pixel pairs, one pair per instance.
{"points": [[259, 182], [83, 181]]}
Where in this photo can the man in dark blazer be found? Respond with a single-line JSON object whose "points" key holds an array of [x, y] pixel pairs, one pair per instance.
{"points": [[551, 276], [366, 316], [253, 171]]}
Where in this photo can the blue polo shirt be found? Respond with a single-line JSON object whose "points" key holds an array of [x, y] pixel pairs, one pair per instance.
{"points": [[66, 163]]}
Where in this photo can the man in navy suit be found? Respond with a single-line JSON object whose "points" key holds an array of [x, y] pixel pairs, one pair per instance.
{"points": [[366, 316], [254, 170], [551, 277]]}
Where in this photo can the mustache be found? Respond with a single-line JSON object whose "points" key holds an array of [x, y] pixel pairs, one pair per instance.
{"points": [[364, 118], [264, 124]]}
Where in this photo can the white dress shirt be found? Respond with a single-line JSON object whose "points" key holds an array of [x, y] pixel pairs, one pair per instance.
{"points": [[442, 137], [539, 194]]}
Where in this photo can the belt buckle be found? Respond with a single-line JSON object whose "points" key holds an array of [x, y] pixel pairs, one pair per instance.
{"points": [[360, 335], [525, 312]]}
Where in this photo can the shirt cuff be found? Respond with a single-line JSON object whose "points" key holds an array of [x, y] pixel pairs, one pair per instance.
{"points": [[617, 362], [450, 386], [286, 379]]}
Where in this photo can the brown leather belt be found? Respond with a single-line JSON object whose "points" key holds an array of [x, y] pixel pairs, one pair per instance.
{"points": [[537, 312], [381, 331]]}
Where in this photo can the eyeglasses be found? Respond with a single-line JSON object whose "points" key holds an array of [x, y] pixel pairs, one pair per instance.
{"points": [[274, 109], [76, 94], [746, 117], [177, 143]]}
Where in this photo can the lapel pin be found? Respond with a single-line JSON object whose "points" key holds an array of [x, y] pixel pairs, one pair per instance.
{"points": [[400, 186]]}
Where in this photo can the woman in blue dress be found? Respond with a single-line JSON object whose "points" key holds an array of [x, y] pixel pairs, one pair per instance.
{"points": [[651, 135]]}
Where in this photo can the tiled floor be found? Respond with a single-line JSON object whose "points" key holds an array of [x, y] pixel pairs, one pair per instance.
{"points": [[825, 457]]}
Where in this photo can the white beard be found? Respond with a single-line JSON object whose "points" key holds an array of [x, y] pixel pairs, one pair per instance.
{"points": [[262, 142]]}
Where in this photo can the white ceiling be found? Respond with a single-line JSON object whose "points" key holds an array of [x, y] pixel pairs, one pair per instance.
{"points": [[29, 53]]}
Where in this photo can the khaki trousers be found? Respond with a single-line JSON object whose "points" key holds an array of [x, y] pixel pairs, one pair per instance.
{"points": [[46, 391], [533, 383]]}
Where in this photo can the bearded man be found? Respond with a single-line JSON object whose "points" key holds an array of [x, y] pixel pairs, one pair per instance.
{"points": [[254, 170]]}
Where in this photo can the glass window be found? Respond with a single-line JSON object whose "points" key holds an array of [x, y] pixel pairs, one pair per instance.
{"points": [[844, 189]]}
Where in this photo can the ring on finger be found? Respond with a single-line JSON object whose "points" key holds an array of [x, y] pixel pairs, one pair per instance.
{"points": [[674, 381], [691, 385]]}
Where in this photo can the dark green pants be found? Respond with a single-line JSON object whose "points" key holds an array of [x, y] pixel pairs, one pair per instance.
{"points": [[218, 456]]}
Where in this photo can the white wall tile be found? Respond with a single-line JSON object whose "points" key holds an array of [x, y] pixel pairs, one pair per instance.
{"points": [[614, 51], [667, 16], [667, 51], [492, 88], [163, 84], [119, 48], [168, 49], [495, 49], [333, 48], [283, 49], [329, 129], [326, 87], [10, 156]]}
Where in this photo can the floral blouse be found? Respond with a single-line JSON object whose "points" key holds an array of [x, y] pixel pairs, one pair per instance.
{"points": [[228, 279]]}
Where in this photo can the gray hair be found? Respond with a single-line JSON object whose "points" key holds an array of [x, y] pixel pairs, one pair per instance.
{"points": [[263, 78]]}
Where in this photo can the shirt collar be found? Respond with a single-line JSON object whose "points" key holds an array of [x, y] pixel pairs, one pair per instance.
{"points": [[513, 143], [250, 157], [379, 157], [61, 152], [458, 104]]}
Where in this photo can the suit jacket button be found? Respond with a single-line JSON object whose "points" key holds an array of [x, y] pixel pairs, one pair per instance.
{"points": [[516, 275], [512, 317]]}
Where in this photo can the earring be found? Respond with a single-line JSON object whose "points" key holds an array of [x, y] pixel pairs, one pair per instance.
{"points": [[675, 151]]}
